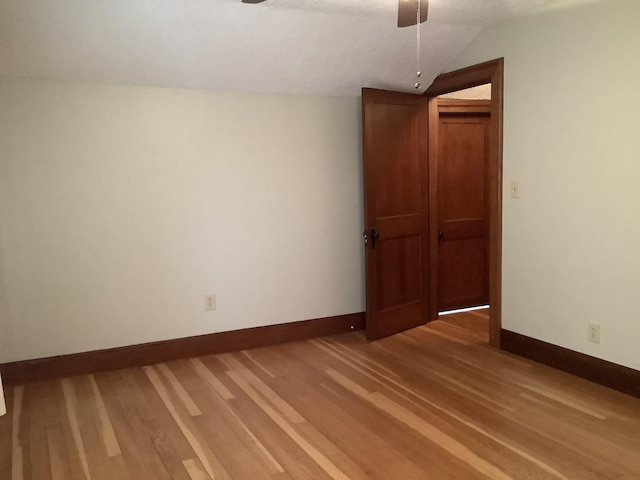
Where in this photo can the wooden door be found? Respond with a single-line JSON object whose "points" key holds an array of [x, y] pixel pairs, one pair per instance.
{"points": [[463, 182], [395, 195]]}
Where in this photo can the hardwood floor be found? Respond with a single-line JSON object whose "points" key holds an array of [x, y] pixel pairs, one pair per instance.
{"points": [[473, 325], [431, 403]]}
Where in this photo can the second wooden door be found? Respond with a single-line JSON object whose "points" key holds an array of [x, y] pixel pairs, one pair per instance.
{"points": [[462, 183]]}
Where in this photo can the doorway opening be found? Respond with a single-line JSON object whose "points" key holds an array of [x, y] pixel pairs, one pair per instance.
{"points": [[474, 235], [462, 168]]}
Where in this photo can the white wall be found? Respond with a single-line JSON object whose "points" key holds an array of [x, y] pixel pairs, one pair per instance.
{"points": [[571, 246], [121, 207]]}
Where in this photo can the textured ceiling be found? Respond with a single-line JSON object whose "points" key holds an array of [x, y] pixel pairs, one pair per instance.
{"points": [[324, 47]]}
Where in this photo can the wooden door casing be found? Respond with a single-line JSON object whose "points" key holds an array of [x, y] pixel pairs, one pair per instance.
{"points": [[488, 72], [396, 211]]}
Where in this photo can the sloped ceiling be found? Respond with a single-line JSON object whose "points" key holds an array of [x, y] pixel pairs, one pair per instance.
{"points": [[323, 47]]}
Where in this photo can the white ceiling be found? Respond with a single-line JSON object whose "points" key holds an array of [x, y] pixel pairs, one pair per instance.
{"points": [[324, 47]]}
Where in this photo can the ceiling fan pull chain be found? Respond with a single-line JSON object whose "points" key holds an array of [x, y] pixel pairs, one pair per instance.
{"points": [[418, 72]]}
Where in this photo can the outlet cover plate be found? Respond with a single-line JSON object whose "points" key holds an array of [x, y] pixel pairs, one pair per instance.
{"points": [[209, 302]]}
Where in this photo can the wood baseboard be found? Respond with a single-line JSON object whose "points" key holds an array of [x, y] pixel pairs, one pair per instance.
{"points": [[157, 352], [618, 377]]}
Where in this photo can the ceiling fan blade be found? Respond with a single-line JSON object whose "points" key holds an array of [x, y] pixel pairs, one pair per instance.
{"points": [[408, 12], [252, 1]]}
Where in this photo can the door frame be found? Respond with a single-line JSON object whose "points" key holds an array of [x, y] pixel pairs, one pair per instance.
{"points": [[480, 74]]}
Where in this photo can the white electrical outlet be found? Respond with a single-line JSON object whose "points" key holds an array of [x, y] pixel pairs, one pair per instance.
{"points": [[209, 302], [594, 332]]}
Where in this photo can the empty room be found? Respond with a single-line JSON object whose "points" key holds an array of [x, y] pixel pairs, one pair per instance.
{"points": [[319, 239]]}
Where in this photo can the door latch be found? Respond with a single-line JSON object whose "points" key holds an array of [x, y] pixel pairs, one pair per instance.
{"points": [[374, 236]]}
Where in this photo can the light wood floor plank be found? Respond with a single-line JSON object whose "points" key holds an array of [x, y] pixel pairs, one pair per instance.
{"points": [[17, 456], [71, 405], [140, 438], [6, 436], [222, 434], [58, 458], [203, 452], [211, 380], [38, 442], [224, 409], [187, 401], [236, 366], [196, 470], [76, 469], [106, 428], [413, 421], [261, 366], [332, 470], [391, 449], [91, 425]]}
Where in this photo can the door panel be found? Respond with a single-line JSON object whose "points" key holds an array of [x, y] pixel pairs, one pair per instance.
{"points": [[462, 283], [397, 160], [395, 186], [400, 284], [462, 210], [462, 143]]}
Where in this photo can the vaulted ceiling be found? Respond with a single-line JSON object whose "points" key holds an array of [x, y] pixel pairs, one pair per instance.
{"points": [[324, 47]]}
